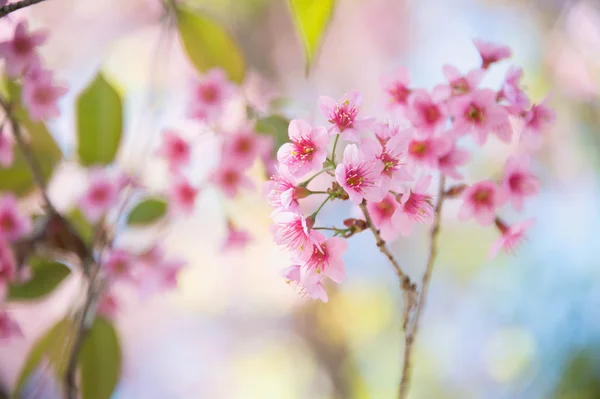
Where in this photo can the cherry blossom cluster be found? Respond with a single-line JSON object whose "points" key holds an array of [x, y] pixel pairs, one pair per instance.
{"points": [[387, 167]]}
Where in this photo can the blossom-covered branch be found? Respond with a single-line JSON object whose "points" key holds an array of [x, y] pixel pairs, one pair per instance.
{"points": [[8, 8]]}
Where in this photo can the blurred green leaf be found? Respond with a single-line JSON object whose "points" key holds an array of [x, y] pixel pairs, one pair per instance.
{"points": [[147, 212], [47, 275], [52, 346], [99, 123], [312, 18], [18, 178], [80, 223], [275, 126], [100, 361], [208, 45]]}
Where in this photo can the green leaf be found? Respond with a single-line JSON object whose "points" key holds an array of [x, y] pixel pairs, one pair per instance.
{"points": [[147, 212], [100, 361], [47, 275], [311, 18], [275, 126], [44, 149], [80, 223], [99, 123], [54, 346], [208, 45]]}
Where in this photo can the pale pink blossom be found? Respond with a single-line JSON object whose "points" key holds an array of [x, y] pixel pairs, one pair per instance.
{"points": [[156, 272], [245, 146], [360, 177], [392, 155], [343, 115], [382, 213], [282, 191], [479, 113], [385, 131], [462, 84], [175, 150], [416, 206], [41, 95], [481, 200], [511, 238], [294, 231], [8, 326], [307, 150], [315, 289], [108, 306], [518, 181], [230, 179], [236, 239], [102, 193], [397, 88], [427, 151], [536, 121], [513, 93], [182, 195], [452, 159], [210, 95], [19, 52], [118, 264], [426, 111], [325, 261], [491, 53], [13, 224], [6, 149]]}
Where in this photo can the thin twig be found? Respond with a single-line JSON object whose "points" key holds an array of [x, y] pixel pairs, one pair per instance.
{"points": [[411, 332], [7, 9]]}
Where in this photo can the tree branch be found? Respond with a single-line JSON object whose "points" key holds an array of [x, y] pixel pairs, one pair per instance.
{"points": [[7, 9], [411, 332]]}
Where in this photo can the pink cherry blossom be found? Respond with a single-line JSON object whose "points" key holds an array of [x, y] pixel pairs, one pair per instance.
{"points": [[385, 131], [183, 195], [315, 289], [452, 159], [307, 150], [478, 113], [343, 115], [491, 53], [102, 193], [8, 266], [8, 326], [118, 264], [108, 305], [360, 177], [460, 84], [397, 88], [282, 191], [513, 93], [536, 120], [426, 111], [393, 157], [13, 224], [416, 206], [518, 182], [427, 151], [511, 238], [481, 200], [210, 96], [295, 232], [19, 53], [325, 261], [382, 213], [175, 150], [245, 146], [156, 272], [6, 149], [236, 239], [230, 179], [41, 95]]}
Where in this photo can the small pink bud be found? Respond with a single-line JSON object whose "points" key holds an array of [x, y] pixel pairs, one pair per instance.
{"points": [[310, 222], [455, 191], [503, 227]]}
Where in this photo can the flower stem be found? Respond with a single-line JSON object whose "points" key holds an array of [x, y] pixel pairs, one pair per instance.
{"points": [[335, 142], [305, 183], [314, 215], [317, 192]]}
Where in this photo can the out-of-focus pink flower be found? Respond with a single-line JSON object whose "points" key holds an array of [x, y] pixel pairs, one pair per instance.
{"points": [[325, 261], [360, 177], [295, 232], [385, 131], [210, 96], [343, 115], [511, 238], [518, 181], [40, 96], [230, 179], [13, 224], [118, 264], [513, 93], [307, 150], [416, 206], [236, 239], [426, 111], [182, 195], [175, 150], [282, 191], [382, 213], [452, 159], [156, 273], [392, 156], [478, 113], [427, 151], [536, 120], [315, 290], [108, 306], [8, 326], [460, 84], [244, 146], [481, 200], [397, 88], [19, 53], [6, 149], [102, 193], [491, 53], [8, 267]]}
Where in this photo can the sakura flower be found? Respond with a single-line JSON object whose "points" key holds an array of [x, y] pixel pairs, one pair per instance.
{"points": [[183, 195], [307, 150], [518, 182], [13, 224], [175, 150], [118, 264], [491, 53], [536, 120], [396, 87], [230, 179], [392, 156], [360, 177], [382, 213], [343, 115], [282, 191], [210, 96], [8, 267], [426, 111], [108, 306], [452, 159], [102, 193], [8, 326], [6, 149], [20, 52], [427, 151], [236, 238], [478, 113], [511, 238], [416, 206], [294, 231], [481, 201], [244, 146], [325, 261], [462, 84], [156, 272], [385, 131], [513, 93], [315, 289], [40, 96]]}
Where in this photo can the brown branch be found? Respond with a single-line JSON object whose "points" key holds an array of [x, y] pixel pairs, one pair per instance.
{"points": [[411, 332], [7, 9]]}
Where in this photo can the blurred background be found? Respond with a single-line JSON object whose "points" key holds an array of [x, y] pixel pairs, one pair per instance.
{"points": [[521, 326]]}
